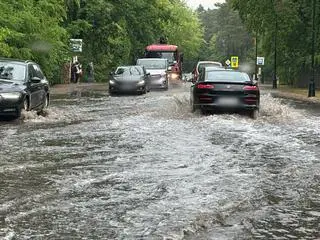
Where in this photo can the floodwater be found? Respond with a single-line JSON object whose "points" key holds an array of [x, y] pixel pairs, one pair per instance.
{"points": [[145, 167]]}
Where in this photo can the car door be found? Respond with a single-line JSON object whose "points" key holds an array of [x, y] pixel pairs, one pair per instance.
{"points": [[41, 86], [33, 87]]}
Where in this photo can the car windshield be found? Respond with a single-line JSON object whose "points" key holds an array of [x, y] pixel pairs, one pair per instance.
{"points": [[153, 64], [122, 71], [170, 56], [12, 71], [129, 70], [203, 65], [226, 76]]}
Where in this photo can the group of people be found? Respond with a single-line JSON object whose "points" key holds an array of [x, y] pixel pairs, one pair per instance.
{"points": [[77, 72]]}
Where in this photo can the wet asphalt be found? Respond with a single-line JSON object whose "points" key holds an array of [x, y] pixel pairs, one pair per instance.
{"points": [[145, 167]]}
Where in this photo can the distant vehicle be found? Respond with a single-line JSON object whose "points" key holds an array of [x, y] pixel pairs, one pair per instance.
{"points": [[158, 70], [202, 64], [23, 86], [129, 79], [169, 52], [225, 90]]}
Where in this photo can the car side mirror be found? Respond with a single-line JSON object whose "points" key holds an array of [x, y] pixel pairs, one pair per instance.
{"points": [[111, 73], [35, 80], [148, 74]]}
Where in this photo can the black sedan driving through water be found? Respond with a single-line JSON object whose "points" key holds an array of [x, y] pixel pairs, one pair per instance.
{"points": [[225, 90], [128, 79], [23, 86]]}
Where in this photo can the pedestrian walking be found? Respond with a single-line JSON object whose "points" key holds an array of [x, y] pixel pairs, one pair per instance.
{"points": [[90, 72]]}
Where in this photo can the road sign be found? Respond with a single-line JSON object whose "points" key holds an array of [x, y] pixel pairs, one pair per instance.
{"points": [[227, 62], [260, 60], [234, 61], [76, 45]]}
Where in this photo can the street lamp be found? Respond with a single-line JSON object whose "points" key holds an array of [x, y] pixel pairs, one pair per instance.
{"points": [[312, 90]]}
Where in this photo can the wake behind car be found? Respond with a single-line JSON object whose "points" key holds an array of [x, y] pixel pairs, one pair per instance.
{"points": [[23, 86], [128, 79], [225, 90], [158, 69]]}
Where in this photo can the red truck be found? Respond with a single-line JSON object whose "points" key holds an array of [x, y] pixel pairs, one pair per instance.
{"points": [[170, 52]]}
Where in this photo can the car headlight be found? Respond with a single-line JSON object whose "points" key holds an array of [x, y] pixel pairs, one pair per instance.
{"points": [[141, 82], [174, 76], [11, 95], [111, 82]]}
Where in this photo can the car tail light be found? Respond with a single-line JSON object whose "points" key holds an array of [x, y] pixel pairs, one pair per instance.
{"points": [[250, 88], [205, 86]]}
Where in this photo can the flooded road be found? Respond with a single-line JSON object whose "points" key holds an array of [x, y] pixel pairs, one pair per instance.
{"points": [[144, 167]]}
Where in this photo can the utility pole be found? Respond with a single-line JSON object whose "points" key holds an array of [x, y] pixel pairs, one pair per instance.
{"points": [[256, 64], [274, 83], [312, 90]]}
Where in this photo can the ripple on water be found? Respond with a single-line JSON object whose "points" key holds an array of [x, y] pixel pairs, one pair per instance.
{"points": [[145, 167]]}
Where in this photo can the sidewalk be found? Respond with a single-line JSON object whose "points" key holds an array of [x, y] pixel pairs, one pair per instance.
{"points": [[63, 89], [284, 91]]}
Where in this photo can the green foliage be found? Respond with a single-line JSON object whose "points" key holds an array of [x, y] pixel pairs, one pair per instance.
{"points": [[294, 42], [114, 32], [225, 35], [31, 30]]}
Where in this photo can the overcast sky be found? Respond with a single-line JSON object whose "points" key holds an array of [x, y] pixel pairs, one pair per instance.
{"points": [[205, 3]]}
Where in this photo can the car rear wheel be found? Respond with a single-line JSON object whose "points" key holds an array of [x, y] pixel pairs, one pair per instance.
{"points": [[194, 108], [45, 105], [254, 113]]}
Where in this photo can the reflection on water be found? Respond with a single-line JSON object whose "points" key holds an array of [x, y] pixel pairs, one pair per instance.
{"points": [[144, 167]]}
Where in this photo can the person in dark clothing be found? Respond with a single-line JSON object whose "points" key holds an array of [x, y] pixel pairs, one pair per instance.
{"points": [[76, 72], [73, 73]]}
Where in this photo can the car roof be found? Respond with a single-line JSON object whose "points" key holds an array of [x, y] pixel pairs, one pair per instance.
{"points": [[213, 62], [129, 66], [2, 59], [159, 59], [217, 68], [212, 69]]}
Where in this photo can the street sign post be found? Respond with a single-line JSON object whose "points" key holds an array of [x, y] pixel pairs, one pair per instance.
{"points": [[260, 61], [76, 45], [234, 61]]}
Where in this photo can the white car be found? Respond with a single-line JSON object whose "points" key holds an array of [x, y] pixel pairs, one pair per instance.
{"points": [[201, 65]]}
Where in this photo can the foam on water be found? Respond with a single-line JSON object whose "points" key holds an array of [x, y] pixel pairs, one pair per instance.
{"points": [[145, 167]]}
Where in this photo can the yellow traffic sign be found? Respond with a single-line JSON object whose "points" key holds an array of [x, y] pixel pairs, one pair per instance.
{"points": [[234, 61]]}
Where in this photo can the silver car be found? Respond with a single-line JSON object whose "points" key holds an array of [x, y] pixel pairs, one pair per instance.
{"points": [[129, 79], [157, 68]]}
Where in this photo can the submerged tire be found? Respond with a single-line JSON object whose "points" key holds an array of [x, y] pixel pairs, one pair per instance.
{"points": [[45, 106], [254, 114]]}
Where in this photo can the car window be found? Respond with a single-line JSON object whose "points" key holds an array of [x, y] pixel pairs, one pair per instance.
{"points": [[136, 71], [12, 71], [38, 72], [122, 71], [226, 76], [153, 64]]}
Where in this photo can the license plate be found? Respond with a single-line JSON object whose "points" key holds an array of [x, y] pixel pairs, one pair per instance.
{"points": [[228, 101]]}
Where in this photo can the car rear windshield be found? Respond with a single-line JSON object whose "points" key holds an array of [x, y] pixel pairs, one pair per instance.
{"points": [[12, 71], [153, 64], [226, 76]]}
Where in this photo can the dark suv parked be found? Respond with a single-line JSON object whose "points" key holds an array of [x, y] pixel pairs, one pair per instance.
{"points": [[23, 86]]}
